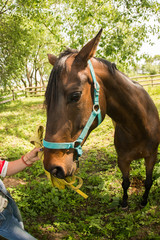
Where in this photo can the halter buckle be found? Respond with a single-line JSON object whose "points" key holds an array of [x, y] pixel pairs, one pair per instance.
{"points": [[96, 108]]}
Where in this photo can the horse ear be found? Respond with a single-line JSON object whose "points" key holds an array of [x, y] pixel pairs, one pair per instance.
{"points": [[90, 48], [52, 59]]}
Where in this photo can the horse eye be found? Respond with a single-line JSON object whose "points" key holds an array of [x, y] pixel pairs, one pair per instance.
{"points": [[74, 97]]}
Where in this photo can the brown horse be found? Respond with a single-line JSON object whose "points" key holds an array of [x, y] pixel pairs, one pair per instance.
{"points": [[69, 100]]}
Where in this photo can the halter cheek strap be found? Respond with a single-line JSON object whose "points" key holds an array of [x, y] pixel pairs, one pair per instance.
{"points": [[96, 112], [96, 95]]}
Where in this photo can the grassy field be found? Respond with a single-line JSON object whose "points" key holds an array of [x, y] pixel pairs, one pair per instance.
{"points": [[54, 214]]}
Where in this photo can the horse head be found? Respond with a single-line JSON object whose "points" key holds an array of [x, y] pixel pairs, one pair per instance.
{"points": [[69, 101]]}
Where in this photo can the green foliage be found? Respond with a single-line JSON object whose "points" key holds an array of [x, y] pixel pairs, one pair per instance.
{"points": [[52, 214], [31, 29], [123, 23], [151, 65], [22, 43]]}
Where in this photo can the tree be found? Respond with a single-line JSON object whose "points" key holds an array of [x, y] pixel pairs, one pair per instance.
{"points": [[24, 41], [32, 28], [151, 65], [123, 22]]}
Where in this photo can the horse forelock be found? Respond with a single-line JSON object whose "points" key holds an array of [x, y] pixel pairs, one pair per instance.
{"points": [[52, 87]]}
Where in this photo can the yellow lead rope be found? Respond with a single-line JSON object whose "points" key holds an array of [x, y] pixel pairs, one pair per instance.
{"points": [[56, 182]]}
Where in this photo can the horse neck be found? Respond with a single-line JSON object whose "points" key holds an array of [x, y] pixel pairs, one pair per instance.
{"points": [[122, 101]]}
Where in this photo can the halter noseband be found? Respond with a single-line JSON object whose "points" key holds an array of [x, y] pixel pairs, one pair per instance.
{"points": [[96, 112]]}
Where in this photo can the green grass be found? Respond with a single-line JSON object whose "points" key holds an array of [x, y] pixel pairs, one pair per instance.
{"points": [[50, 213]]}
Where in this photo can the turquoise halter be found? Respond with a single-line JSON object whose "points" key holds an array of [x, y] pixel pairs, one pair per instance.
{"points": [[96, 112]]}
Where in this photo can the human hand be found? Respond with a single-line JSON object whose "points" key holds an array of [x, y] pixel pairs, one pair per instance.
{"points": [[32, 156]]}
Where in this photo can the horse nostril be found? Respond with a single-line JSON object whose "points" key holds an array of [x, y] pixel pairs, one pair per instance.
{"points": [[58, 172], [54, 172]]}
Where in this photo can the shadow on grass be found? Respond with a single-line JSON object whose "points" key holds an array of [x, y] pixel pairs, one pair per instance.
{"points": [[51, 214]]}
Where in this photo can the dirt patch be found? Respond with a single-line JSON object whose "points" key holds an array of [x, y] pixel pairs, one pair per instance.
{"points": [[136, 185], [52, 235], [13, 182]]}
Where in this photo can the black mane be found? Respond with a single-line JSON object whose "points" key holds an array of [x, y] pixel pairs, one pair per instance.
{"points": [[111, 66]]}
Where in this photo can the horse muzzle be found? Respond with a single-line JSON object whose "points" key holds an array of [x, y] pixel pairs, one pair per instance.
{"points": [[59, 163]]}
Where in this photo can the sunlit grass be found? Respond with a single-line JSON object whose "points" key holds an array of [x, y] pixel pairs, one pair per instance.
{"points": [[18, 123], [48, 211]]}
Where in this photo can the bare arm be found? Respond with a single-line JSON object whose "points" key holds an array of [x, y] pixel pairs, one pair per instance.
{"points": [[20, 164]]}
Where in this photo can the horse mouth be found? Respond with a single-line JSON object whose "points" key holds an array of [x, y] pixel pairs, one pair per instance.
{"points": [[61, 173]]}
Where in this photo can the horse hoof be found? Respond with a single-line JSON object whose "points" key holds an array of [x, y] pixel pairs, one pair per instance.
{"points": [[143, 204], [125, 208]]}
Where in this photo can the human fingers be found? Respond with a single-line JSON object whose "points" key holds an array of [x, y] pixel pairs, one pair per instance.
{"points": [[32, 156]]}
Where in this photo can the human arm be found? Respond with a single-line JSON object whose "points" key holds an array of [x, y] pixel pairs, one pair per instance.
{"points": [[20, 164]]}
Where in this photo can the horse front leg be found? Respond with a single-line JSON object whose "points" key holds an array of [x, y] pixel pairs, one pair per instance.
{"points": [[124, 166], [150, 162]]}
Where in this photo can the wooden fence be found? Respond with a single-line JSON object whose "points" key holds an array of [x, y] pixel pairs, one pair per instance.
{"points": [[146, 80], [35, 91], [22, 93], [12, 96]]}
